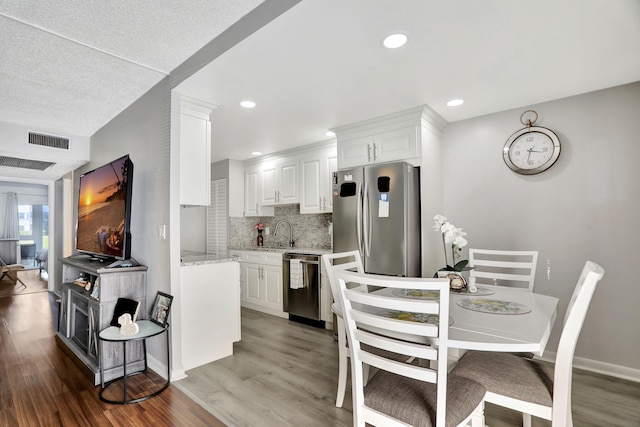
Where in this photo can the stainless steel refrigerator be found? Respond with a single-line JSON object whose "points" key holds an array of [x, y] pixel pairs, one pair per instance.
{"points": [[376, 210]]}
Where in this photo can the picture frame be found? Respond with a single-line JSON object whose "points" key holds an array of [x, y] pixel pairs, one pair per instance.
{"points": [[161, 309]]}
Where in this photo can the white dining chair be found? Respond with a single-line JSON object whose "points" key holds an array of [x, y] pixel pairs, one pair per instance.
{"points": [[402, 394], [504, 268], [340, 261], [526, 386]]}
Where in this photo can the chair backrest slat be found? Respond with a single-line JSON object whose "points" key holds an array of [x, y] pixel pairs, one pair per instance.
{"points": [[411, 305], [505, 268]]}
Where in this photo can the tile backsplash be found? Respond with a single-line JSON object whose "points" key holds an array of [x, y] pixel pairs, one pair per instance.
{"points": [[309, 230]]}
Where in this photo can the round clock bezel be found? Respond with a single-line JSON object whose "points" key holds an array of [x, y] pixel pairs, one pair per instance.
{"points": [[543, 167]]}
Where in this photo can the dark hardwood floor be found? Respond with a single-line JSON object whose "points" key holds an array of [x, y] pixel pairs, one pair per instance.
{"points": [[41, 386]]}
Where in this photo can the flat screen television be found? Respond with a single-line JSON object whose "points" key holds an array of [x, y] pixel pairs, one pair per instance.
{"points": [[104, 211]]}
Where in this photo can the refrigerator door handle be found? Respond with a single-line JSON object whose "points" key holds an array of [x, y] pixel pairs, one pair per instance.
{"points": [[366, 223], [359, 220]]}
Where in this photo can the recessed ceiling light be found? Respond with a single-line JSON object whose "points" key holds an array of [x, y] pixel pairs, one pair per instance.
{"points": [[247, 104], [330, 134], [455, 102], [395, 40], [255, 153]]}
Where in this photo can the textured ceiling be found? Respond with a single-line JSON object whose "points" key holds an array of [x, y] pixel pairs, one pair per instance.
{"points": [[71, 66], [320, 65]]}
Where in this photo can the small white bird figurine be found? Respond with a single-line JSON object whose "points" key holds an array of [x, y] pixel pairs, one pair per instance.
{"points": [[127, 327]]}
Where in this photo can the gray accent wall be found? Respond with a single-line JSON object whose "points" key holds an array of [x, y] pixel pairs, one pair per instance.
{"points": [[586, 207], [142, 131]]}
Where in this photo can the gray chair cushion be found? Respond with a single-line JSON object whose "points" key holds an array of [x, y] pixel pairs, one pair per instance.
{"points": [[414, 402], [509, 375]]}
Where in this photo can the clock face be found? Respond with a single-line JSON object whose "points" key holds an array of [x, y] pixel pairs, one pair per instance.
{"points": [[531, 150]]}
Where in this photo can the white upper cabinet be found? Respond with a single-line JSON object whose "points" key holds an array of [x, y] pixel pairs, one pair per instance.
{"points": [[277, 181], [316, 169], [297, 176], [195, 152], [390, 138], [252, 198]]}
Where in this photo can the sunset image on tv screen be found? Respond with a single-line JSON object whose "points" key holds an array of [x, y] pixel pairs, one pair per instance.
{"points": [[101, 209]]}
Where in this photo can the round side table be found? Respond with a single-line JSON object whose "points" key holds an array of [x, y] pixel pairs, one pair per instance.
{"points": [[147, 329]]}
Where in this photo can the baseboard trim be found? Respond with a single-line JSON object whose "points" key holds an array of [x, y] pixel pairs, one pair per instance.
{"points": [[161, 369], [598, 367]]}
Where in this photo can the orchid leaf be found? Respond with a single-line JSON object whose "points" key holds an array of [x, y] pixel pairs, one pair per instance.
{"points": [[460, 265]]}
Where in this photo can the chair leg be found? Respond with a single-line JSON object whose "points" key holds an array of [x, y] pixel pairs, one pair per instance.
{"points": [[343, 366], [526, 420]]}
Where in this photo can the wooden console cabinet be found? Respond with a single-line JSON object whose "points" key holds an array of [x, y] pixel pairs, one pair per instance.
{"points": [[83, 314]]}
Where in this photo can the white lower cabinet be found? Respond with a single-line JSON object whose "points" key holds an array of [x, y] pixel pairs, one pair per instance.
{"points": [[261, 281]]}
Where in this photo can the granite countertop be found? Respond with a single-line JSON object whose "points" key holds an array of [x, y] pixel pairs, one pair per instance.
{"points": [[198, 258], [283, 249]]}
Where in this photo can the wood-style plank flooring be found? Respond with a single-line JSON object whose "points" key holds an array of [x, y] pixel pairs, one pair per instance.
{"points": [[41, 386], [283, 373]]}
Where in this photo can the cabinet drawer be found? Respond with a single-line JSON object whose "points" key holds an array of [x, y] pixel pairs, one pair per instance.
{"points": [[259, 257]]}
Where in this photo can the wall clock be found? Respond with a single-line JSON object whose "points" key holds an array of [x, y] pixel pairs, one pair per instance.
{"points": [[532, 149]]}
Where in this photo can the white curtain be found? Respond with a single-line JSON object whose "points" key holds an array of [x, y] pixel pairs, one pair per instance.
{"points": [[11, 217]]}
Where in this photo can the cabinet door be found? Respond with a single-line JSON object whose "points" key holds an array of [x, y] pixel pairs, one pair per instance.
{"points": [[288, 187], [253, 273], [315, 175], [401, 144], [268, 184], [251, 193], [311, 199], [195, 160], [272, 282], [326, 188], [355, 152]]}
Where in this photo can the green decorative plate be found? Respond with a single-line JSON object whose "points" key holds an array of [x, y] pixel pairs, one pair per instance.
{"points": [[493, 306]]}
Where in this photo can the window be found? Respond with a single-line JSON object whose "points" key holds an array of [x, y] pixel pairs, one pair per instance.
{"points": [[33, 225]]}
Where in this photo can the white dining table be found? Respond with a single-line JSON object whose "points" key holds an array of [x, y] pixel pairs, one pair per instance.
{"points": [[527, 332]]}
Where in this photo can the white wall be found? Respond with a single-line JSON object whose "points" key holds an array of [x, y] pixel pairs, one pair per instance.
{"points": [[586, 207]]}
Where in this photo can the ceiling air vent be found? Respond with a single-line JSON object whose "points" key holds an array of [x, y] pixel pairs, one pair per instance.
{"points": [[48, 140], [15, 162]]}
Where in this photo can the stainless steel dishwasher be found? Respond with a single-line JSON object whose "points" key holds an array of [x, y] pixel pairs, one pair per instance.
{"points": [[301, 281]]}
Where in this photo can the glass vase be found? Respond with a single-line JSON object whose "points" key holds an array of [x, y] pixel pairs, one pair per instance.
{"points": [[259, 239]]}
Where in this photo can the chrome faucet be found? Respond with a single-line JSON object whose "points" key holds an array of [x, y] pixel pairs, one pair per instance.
{"points": [[275, 232]]}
